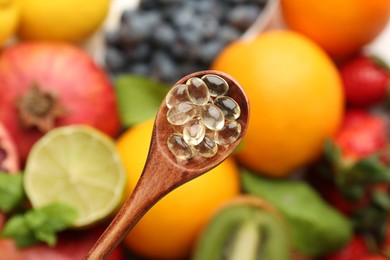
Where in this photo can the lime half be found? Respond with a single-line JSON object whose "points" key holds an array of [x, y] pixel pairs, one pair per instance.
{"points": [[77, 165]]}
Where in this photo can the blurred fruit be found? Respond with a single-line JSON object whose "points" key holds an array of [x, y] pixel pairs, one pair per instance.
{"points": [[354, 163], [360, 135], [296, 99], [79, 166], [340, 27], [71, 245], [300, 205], [356, 249], [45, 85], [170, 39], [9, 160], [65, 20], [9, 16], [169, 229], [366, 80], [245, 228]]}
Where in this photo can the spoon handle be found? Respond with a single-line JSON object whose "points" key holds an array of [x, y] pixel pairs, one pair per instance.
{"points": [[150, 188]]}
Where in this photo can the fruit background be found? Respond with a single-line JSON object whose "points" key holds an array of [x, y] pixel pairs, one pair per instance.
{"points": [[310, 179]]}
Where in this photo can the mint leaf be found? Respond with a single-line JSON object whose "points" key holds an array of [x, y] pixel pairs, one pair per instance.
{"points": [[17, 228], [11, 191], [40, 224], [139, 98], [58, 216]]}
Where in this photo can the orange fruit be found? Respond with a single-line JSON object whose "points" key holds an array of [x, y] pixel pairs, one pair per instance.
{"points": [[295, 94], [340, 27], [170, 228]]}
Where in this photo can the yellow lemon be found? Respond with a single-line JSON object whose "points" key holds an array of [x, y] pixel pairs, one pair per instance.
{"points": [[9, 16], [68, 20]]}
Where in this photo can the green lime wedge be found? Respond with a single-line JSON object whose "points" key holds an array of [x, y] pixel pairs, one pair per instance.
{"points": [[77, 165]]}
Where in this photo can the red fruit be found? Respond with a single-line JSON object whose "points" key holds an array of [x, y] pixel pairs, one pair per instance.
{"points": [[365, 81], [342, 204], [355, 250], [44, 85], [361, 134], [9, 161], [73, 245]]}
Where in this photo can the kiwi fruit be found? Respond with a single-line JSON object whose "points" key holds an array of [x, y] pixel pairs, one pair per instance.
{"points": [[246, 228]]}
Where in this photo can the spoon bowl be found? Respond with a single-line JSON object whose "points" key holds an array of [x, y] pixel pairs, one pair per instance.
{"points": [[163, 172]]}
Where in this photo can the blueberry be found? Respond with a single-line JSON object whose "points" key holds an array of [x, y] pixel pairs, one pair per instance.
{"points": [[183, 18], [139, 68], [243, 16], [206, 26], [164, 35], [147, 4], [138, 26], [228, 34], [140, 51], [179, 49], [163, 68], [210, 50], [111, 37], [114, 60]]}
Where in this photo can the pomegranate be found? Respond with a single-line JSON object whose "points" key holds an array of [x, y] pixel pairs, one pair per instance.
{"points": [[9, 161], [45, 85], [8, 157]]}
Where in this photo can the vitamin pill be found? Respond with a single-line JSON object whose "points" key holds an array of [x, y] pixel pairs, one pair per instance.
{"points": [[207, 148], [181, 113], [179, 147], [176, 95], [217, 86], [230, 109], [198, 91], [228, 134], [194, 131], [212, 117]]}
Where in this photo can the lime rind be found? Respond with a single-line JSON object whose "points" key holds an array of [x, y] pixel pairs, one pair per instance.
{"points": [[77, 165]]}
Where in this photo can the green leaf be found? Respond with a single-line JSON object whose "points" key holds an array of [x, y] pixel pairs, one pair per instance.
{"points": [[11, 191], [316, 227], [17, 228], [139, 98], [368, 170], [40, 224], [331, 152]]}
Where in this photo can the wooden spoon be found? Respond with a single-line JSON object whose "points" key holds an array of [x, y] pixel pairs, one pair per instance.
{"points": [[163, 172]]}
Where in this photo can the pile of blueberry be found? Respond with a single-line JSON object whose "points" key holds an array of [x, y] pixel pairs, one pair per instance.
{"points": [[168, 39]]}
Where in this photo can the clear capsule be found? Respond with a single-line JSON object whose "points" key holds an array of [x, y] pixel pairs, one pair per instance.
{"points": [[212, 117], [179, 147], [228, 134], [217, 85], [207, 148], [181, 113], [197, 91], [229, 107], [176, 95], [194, 132]]}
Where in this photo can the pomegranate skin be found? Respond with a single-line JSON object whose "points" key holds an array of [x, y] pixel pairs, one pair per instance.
{"points": [[80, 86]]}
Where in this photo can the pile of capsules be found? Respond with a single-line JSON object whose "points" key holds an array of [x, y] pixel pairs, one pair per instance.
{"points": [[202, 117]]}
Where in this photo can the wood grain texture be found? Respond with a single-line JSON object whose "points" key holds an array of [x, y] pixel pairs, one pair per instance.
{"points": [[163, 172]]}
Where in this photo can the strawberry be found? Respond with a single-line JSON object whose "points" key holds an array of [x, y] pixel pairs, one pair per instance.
{"points": [[365, 80], [356, 174], [355, 250], [360, 135]]}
